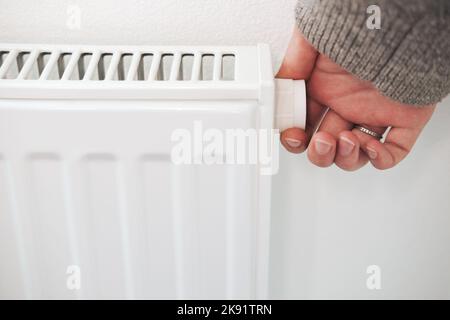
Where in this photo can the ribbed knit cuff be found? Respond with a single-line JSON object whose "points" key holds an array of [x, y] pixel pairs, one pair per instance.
{"points": [[407, 59]]}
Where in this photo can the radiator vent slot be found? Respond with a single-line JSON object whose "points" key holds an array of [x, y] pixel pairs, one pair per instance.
{"points": [[145, 63], [63, 61], [207, 67], [165, 67], [3, 55], [187, 63], [228, 67], [116, 66]]}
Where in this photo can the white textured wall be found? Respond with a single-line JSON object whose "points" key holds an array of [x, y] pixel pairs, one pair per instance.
{"points": [[328, 226], [149, 22]]}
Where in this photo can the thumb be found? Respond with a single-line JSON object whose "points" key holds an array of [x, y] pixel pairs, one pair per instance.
{"points": [[299, 60], [298, 64]]}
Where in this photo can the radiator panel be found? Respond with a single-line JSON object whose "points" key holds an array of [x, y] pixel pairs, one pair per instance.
{"points": [[81, 192], [92, 204]]}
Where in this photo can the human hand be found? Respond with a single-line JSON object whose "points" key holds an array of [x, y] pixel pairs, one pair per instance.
{"points": [[342, 100]]}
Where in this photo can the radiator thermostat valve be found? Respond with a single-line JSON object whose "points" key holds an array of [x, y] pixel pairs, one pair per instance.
{"points": [[290, 104]]}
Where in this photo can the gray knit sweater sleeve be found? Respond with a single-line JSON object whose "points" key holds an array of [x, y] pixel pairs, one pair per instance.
{"points": [[407, 58]]}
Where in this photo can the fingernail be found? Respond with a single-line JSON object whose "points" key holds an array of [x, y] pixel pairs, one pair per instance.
{"points": [[372, 153], [323, 147], [293, 143], [346, 146]]}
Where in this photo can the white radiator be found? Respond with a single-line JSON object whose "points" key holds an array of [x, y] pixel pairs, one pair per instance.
{"points": [[92, 204]]}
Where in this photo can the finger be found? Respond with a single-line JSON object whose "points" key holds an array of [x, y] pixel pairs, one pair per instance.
{"points": [[299, 59], [349, 157], [298, 63], [296, 140], [334, 124], [370, 145], [322, 149], [399, 140], [397, 146]]}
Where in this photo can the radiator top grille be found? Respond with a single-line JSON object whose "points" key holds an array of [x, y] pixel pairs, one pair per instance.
{"points": [[100, 64], [101, 72]]}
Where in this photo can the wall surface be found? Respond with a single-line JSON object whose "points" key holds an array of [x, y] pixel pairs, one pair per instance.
{"points": [[158, 22], [328, 225]]}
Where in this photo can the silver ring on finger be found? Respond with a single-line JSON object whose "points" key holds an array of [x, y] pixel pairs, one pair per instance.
{"points": [[369, 132]]}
